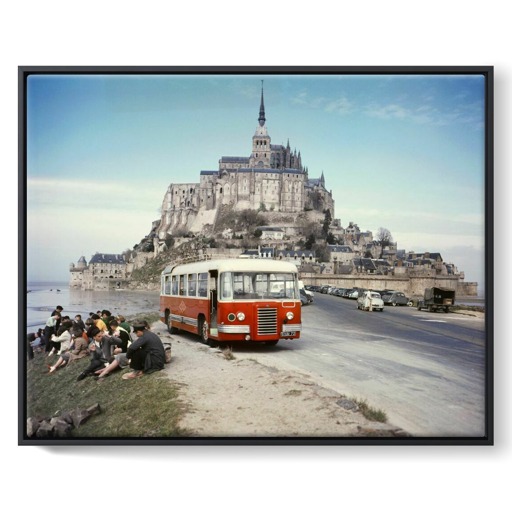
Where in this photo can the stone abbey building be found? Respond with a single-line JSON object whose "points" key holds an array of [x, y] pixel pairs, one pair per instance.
{"points": [[272, 178]]}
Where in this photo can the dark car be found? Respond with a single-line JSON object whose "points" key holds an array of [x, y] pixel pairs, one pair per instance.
{"points": [[305, 299], [395, 299]]}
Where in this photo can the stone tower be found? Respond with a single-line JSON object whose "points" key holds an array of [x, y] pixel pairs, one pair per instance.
{"points": [[260, 156]]}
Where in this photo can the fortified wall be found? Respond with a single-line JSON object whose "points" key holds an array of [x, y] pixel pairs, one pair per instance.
{"points": [[413, 286]]}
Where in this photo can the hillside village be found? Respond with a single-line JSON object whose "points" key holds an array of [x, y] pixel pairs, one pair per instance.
{"points": [[266, 206]]}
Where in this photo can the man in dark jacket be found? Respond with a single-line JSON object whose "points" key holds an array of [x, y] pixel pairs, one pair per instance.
{"points": [[146, 354]]}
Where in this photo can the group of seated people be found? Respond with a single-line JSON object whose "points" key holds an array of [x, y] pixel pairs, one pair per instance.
{"points": [[107, 340]]}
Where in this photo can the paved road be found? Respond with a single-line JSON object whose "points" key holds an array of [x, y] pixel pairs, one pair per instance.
{"points": [[425, 370]]}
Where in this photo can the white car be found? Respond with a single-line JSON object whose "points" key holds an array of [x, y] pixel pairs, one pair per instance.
{"points": [[368, 300]]}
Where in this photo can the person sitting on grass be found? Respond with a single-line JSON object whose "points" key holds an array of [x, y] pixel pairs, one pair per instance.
{"points": [[124, 324], [78, 322], [61, 341], [77, 350], [50, 329], [120, 361], [106, 316], [112, 344], [99, 323], [98, 360], [118, 358], [146, 353], [35, 341]]}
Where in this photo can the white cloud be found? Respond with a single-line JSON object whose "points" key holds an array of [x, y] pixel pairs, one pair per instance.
{"points": [[471, 114], [342, 105]]}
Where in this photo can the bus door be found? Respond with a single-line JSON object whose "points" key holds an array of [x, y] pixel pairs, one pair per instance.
{"points": [[213, 302]]}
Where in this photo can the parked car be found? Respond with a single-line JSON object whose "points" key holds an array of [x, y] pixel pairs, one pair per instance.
{"points": [[310, 295], [304, 295], [304, 300], [395, 299], [353, 294], [367, 298]]}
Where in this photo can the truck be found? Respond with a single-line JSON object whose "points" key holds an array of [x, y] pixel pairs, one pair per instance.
{"points": [[436, 298]]}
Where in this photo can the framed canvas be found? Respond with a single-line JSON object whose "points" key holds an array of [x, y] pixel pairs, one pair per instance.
{"points": [[256, 255]]}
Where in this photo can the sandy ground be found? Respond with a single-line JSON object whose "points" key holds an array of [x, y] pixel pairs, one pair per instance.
{"points": [[228, 397]]}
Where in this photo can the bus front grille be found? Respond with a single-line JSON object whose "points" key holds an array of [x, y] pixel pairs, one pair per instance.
{"points": [[267, 321]]}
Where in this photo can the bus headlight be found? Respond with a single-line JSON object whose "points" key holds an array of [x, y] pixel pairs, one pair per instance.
{"points": [[289, 315], [240, 316]]}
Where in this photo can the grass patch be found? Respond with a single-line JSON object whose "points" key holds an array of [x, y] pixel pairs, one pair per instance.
{"points": [[370, 413], [144, 407], [480, 309], [151, 318], [227, 352]]}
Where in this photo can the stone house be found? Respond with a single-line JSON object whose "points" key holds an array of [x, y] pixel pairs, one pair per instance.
{"points": [[103, 272]]}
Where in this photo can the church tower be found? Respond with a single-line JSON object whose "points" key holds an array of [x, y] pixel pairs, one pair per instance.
{"points": [[260, 156]]}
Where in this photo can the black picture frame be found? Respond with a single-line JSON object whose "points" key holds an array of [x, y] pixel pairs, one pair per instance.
{"points": [[487, 72]]}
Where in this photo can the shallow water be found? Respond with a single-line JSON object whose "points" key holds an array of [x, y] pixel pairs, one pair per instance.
{"points": [[42, 298]]}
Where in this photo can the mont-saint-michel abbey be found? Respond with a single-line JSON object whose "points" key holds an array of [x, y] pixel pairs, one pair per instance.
{"points": [[273, 178], [273, 183]]}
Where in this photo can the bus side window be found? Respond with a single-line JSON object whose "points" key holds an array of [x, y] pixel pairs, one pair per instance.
{"points": [[183, 285], [167, 285], [174, 285], [192, 285], [202, 284]]}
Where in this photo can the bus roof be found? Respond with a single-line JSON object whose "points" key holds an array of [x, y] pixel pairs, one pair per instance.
{"points": [[232, 265]]}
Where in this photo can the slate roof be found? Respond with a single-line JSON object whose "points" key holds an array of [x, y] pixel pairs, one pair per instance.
{"points": [[339, 248], [366, 263], [235, 159], [423, 255], [117, 259]]}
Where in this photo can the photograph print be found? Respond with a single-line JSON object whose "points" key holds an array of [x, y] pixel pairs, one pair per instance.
{"points": [[255, 255]]}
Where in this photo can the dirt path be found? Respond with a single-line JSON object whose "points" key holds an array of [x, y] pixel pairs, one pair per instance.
{"points": [[244, 398]]}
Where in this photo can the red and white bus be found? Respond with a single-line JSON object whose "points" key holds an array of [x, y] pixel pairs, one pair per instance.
{"points": [[232, 300]]}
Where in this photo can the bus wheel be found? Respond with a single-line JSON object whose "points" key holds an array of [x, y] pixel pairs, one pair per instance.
{"points": [[204, 330], [170, 328]]}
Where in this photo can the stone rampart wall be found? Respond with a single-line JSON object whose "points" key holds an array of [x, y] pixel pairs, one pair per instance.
{"points": [[412, 287]]}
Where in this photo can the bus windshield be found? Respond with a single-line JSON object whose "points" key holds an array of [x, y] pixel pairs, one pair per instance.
{"points": [[257, 285]]}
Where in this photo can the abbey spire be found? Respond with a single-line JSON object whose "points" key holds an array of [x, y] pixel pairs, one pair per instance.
{"points": [[261, 149], [261, 119]]}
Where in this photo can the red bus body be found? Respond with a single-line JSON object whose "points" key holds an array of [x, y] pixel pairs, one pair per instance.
{"points": [[232, 300]]}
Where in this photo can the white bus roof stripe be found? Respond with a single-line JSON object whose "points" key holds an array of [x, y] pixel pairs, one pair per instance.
{"points": [[232, 265]]}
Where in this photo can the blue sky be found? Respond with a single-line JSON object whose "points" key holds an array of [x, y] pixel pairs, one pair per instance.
{"points": [[401, 152]]}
